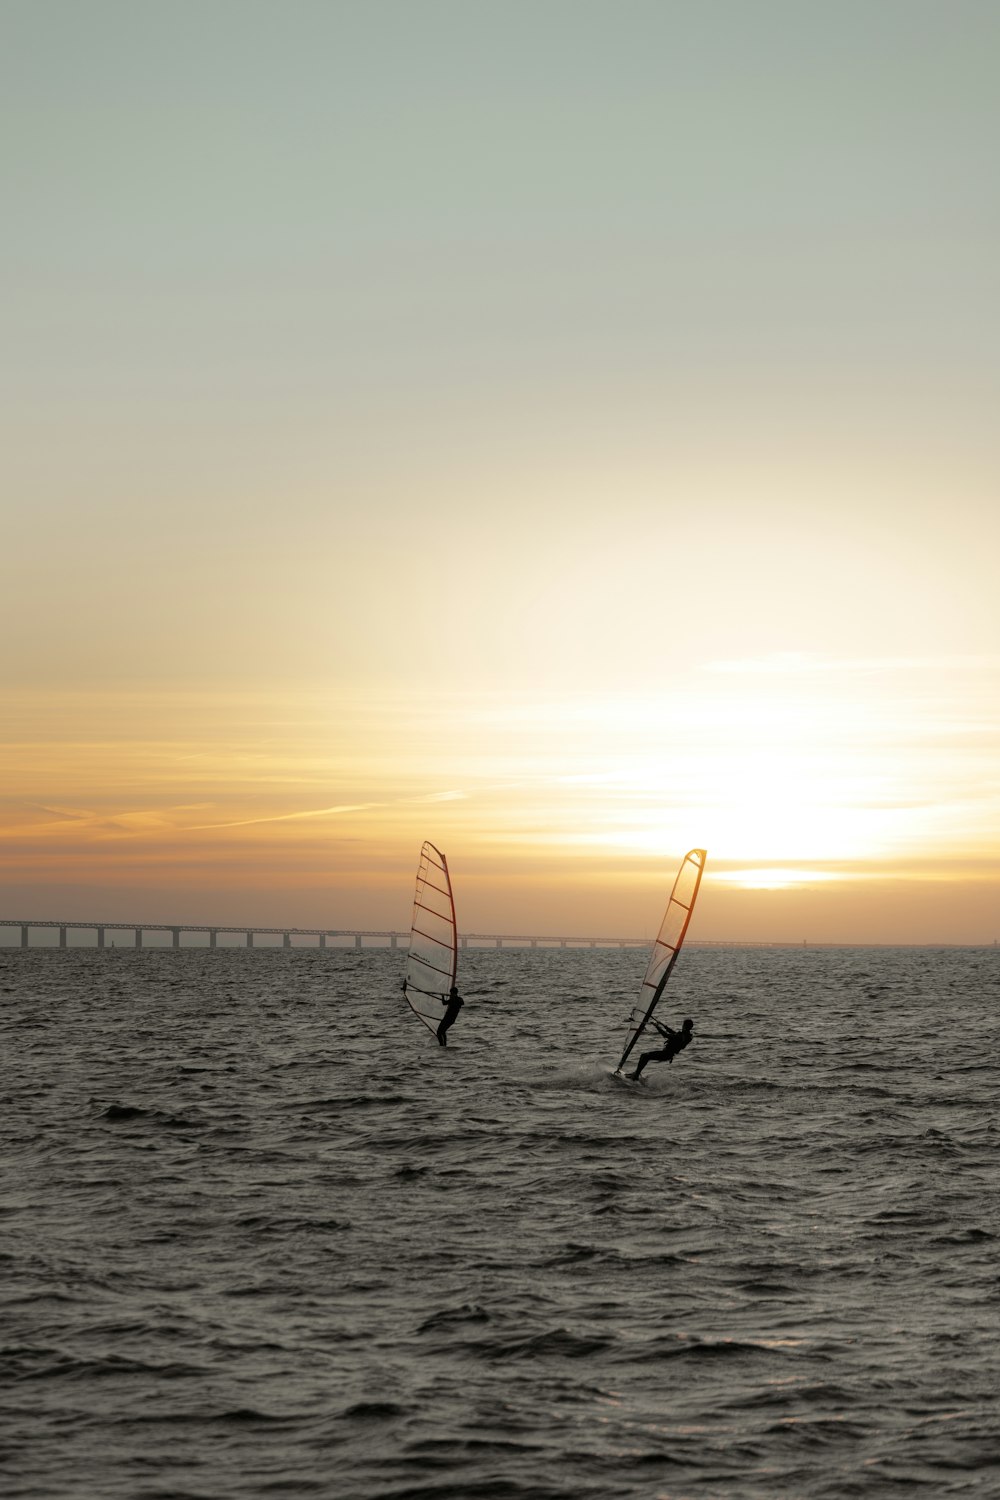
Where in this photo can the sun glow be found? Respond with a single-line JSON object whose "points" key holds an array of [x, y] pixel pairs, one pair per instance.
{"points": [[775, 879], [552, 808]]}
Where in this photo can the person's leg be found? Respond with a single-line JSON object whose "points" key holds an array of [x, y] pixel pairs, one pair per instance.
{"points": [[664, 1054]]}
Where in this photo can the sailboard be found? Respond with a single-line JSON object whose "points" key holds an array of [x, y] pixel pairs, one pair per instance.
{"points": [[432, 958], [673, 930]]}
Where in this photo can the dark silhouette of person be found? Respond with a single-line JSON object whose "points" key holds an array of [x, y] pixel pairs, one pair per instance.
{"points": [[454, 1003], [676, 1042]]}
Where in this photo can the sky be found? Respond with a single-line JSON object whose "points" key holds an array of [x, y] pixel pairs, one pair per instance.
{"points": [[562, 430]]}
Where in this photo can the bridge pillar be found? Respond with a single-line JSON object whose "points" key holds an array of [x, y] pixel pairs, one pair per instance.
{"points": [[138, 937], [24, 935], [464, 942], [357, 940], [213, 939], [563, 943], [392, 941], [286, 939], [322, 939], [62, 937], [499, 942], [175, 937], [100, 937], [249, 938], [534, 942]]}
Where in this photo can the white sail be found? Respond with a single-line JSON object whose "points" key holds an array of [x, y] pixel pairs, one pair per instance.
{"points": [[432, 959], [673, 930]]}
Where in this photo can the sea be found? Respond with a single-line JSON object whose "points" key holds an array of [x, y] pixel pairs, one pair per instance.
{"points": [[261, 1236]]}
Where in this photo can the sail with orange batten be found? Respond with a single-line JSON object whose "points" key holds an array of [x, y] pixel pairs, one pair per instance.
{"points": [[673, 930], [432, 959]]}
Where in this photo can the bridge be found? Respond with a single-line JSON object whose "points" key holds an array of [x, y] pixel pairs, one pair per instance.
{"points": [[323, 936]]}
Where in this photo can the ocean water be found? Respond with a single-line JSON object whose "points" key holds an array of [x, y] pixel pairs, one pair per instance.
{"points": [[261, 1236]]}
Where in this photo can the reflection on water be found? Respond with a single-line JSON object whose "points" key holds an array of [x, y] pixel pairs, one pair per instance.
{"points": [[262, 1234]]}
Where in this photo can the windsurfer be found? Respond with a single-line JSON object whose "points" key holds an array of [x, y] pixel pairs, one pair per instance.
{"points": [[454, 1003], [676, 1041]]}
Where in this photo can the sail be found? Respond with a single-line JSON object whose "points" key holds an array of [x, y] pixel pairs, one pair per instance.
{"points": [[432, 960], [673, 930]]}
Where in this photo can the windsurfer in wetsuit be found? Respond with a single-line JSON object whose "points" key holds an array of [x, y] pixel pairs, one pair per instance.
{"points": [[454, 1003], [676, 1042]]}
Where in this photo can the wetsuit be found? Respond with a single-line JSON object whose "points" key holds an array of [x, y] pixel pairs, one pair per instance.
{"points": [[454, 1004], [676, 1042]]}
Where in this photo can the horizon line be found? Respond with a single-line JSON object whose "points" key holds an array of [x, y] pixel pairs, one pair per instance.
{"points": [[398, 936]]}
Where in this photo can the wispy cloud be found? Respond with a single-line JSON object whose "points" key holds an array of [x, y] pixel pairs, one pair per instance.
{"points": [[439, 797], [797, 663], [319, 812], [64, 814]]}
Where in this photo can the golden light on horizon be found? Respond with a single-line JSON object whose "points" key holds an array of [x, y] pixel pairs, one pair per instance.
{"points": [[552, 809]]}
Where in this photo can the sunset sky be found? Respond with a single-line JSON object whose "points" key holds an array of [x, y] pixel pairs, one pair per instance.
{"points": [[563, 430]]}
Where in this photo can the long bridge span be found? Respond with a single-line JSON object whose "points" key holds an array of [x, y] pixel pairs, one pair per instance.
{"points": [[322, 937]]}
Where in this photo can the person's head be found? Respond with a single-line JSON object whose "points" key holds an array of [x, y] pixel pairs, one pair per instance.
{"points": [[453, 993], [688, 1024]]}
